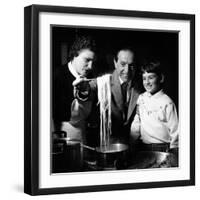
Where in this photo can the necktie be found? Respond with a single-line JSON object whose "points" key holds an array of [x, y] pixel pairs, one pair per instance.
{"points": [[124, 94], [124, 91]]}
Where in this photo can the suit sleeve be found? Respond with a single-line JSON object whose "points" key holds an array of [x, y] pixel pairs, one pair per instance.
{"points": [[135, 126]]}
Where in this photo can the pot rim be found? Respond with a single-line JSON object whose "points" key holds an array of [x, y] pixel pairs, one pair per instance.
{"points": [[112, 148]]}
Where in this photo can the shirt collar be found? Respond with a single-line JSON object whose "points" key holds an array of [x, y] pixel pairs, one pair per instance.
{"points": [[72, 70], [121, 81], [156, 95]]}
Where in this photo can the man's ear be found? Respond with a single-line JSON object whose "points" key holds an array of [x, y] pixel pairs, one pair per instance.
{"points": [[162, 78]]}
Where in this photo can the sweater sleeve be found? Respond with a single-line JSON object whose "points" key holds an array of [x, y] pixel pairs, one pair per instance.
{"points": [[172, 123]]}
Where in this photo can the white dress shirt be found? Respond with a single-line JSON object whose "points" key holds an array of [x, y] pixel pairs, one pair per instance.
{"points": [[156, 120], [72, 70]]}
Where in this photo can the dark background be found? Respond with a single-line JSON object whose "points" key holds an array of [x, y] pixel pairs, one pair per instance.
{"points": [[147, 44]]}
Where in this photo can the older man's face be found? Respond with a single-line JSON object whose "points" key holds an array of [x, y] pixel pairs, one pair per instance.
{"points": [[124, 65]]}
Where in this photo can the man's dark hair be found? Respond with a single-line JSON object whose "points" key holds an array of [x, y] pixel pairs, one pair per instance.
{"points": [[82, 42], [123, 48]]}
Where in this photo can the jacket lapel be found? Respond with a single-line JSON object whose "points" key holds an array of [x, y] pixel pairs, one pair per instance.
{"points": [[133, 101], [116, 92]]}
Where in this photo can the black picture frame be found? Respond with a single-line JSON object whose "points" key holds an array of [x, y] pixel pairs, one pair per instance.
{"points": [[31, 98]]}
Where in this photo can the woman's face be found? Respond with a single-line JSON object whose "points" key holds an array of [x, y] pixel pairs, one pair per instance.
{"points": [[83, 63], [151, 82]]}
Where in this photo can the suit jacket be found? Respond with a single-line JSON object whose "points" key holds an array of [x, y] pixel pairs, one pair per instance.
{"points": [[120, 122]]}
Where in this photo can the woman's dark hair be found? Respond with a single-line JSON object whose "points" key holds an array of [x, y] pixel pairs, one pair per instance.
{"points": [[82, 42], [152, 67]]}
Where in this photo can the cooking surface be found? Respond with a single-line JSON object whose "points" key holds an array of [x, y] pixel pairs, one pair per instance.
{"points": [[142, 160], [72, 159]]}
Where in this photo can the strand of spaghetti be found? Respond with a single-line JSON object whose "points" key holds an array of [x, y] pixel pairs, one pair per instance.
{"points": [[104, 97]]}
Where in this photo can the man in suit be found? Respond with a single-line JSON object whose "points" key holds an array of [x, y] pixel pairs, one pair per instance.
{"points": [[81, 58], [124, 94]]}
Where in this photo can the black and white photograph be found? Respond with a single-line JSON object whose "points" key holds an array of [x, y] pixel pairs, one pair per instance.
{"points": [[100, 99], [109, 100], [114, 99]]}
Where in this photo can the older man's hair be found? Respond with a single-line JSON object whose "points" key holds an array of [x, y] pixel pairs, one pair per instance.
{"points": [[123, 48], [82, 42]]}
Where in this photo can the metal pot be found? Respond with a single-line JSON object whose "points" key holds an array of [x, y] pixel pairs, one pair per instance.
{"points": [[58, 163], [111, 156], [71, 157], [154, 159]]}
